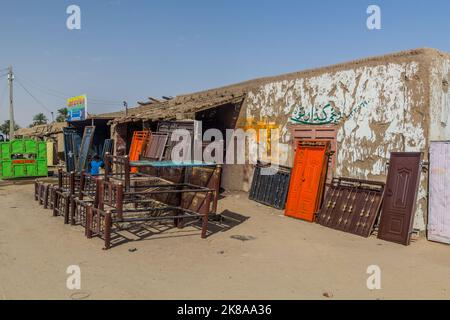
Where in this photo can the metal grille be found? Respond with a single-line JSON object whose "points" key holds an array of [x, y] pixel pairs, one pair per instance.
{"points": [[352, 206], [156, 146], [270, 190]]}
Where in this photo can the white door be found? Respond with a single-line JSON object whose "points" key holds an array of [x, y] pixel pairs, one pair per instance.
{"points": [[439, 189]]}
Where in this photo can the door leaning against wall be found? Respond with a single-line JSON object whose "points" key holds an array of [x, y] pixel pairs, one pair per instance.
{"points": [[307, 179]]}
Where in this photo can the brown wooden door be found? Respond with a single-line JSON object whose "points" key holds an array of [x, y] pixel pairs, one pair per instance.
{"points": [[399, 203]]}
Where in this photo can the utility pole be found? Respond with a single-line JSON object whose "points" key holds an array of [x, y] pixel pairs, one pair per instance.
{"points": [[125, 104], [11, 103]]}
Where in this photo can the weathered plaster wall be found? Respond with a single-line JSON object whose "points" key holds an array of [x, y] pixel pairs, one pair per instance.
{"points": [[394, 116], [440, 98]]}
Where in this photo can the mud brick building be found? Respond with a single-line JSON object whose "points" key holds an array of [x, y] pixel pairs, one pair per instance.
{"points": [[368, 108]]}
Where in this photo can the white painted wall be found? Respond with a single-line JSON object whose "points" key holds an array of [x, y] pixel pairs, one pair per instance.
{"points": [[440, 99], [394, 119]]}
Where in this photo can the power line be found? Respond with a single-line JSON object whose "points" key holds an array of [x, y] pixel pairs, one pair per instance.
{"points": [[62, 95], [35, 99], [2, 97]]}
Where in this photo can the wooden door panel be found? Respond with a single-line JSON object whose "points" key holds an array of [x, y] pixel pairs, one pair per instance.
{"points": [[307, 179], [402, 186], [319, 133]]}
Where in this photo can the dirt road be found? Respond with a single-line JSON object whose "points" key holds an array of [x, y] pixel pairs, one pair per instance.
{"points": [[256, 253]]}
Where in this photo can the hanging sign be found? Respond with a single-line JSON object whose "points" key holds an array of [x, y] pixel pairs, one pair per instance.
{"points": [[77, 107]]}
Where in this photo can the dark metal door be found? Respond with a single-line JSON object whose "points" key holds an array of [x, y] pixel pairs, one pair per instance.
{"points": [[71, 148], [270, 190], [399, 203], [85, 148]]}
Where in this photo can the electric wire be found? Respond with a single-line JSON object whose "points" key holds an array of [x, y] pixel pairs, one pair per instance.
{"points": [[2, 96], [35, 99], [62, 95]]}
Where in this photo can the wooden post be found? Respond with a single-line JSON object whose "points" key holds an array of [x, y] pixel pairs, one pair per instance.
{"points": [[60, 178], [107, 166], [82, 185], [67, 199], [87, 228], [55, 204], [72, 183], [46, 192], [107, 230], [127, 170], [119, 201], [72, 211], [205, 211], [36, 190]]}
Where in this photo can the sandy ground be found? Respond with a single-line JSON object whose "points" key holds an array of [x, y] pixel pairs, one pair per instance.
{"points": [[285, 259]]}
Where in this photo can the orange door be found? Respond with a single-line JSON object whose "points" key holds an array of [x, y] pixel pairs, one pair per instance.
{"points": [[140, 138], [307, 180], [322, 133]]}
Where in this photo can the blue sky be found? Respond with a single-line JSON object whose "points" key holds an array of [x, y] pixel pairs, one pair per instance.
{"points": [[132, 49]]}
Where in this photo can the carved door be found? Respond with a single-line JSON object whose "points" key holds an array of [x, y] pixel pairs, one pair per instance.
{"points": [[307, 180], [399, 203], [322, 133]]}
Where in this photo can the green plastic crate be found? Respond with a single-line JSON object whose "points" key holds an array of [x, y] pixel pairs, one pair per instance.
{"points": [[5, 151], [42, 169], [31, 146], [41, 147], [19, 170], [31, 170], [36, 149], [7, 171], [18, 147]]}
